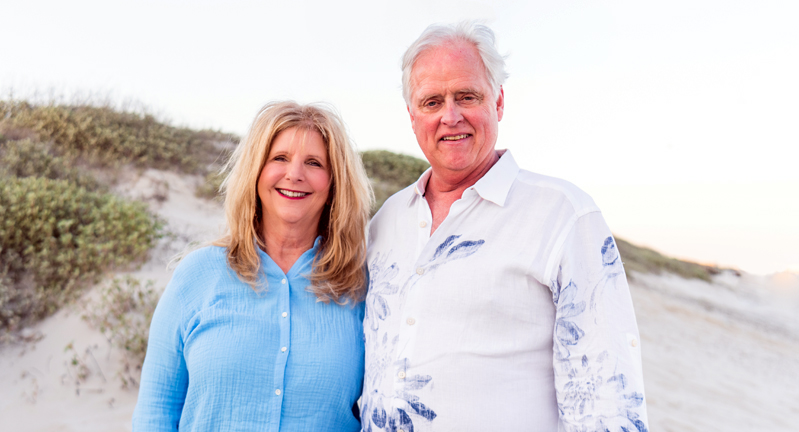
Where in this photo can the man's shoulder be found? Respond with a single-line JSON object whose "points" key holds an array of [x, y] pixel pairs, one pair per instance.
{"points": [[553, 189], [395, 203]]}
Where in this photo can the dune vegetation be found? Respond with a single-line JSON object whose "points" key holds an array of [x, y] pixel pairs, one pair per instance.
{"points": [[61, 229], [390, 172]]}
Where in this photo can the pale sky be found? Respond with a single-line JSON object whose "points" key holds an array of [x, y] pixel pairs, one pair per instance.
{"points": [[680, 118]]}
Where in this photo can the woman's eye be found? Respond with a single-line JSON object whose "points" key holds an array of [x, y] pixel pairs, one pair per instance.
{"points": [[314, 163], [279, 158]]}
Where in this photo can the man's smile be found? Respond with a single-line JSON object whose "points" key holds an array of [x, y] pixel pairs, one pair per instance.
{"points": [[455, 137]]}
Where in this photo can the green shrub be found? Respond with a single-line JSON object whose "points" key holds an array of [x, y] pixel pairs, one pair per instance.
{"points": [[109, 137], [27, 158], [210, 186], [218, 171], [55, 236], [644, 260], [390, 172], [389, 167], [123, 314]]}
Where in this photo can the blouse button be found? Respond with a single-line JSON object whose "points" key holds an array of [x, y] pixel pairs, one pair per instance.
{"points": [[277, 392], [420, 271], [410, 321], [634, 343], [283, 349], [285, 314], [422, 224], [400, 430], [401, 375], [283, 281]]}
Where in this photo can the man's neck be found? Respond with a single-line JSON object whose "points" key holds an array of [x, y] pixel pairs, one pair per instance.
{"points": [[444, 188]]}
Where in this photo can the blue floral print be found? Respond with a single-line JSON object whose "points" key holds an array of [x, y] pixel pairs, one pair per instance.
{"points": [[400, 410], [380, 285], [591, 379]]}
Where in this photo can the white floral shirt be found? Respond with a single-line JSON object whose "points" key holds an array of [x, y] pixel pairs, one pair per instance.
{"points": [[515, 315]]}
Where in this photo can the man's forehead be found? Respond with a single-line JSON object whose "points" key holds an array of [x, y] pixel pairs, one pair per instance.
{"points": [[454, 65]]}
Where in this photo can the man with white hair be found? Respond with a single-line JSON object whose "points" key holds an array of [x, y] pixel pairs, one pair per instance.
{"points": [[497, 299]]}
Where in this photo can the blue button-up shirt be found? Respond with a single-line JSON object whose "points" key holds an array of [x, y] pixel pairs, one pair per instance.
{"points": [[223, 357]]}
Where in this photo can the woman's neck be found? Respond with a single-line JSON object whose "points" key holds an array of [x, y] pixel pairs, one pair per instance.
{"points": [[285, 246]]}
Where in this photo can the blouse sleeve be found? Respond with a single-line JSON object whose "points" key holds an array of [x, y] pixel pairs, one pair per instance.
{"points": [[164, 378], [597, 358]]}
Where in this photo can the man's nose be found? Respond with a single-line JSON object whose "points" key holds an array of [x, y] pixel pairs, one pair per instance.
{"points": [[452, 114]]}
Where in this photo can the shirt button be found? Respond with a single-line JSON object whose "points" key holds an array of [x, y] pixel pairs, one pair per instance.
{"points": [[277, 392], [634, 343], [283, 281], [420, 271], [283, 349], [401, 375], [400, 430], [410, 321], [285, 314], [422, 224]]}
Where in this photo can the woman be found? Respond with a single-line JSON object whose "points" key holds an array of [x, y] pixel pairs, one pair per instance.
{"points": [[254, 333]]}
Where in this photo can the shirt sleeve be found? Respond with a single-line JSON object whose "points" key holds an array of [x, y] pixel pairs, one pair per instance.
{"points": [[597, 358], [164, 378]]}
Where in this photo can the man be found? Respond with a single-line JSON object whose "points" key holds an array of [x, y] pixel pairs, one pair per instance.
{"points": [[497, 299]]}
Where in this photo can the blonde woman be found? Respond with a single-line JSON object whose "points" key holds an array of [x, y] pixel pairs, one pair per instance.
{"points": [[263, 330]]}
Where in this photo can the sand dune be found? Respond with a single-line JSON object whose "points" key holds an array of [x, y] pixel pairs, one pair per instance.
{"points": [[718, 356]]}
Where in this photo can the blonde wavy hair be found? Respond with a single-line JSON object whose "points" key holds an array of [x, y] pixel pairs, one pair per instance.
{"points": [[338, 271]]}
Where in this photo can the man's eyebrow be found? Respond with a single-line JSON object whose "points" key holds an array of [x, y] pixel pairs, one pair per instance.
{"points": [[429, 95], [470, 90]]}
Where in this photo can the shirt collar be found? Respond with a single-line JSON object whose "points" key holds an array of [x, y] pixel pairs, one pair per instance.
{"points": [[493, 186], [301, 267], [421, 184]]}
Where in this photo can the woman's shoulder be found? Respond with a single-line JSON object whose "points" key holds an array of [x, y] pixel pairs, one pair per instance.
{"points": [[204, 256], [200, 274], [202, 264]]}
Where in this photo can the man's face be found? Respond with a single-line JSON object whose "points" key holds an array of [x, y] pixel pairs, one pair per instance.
{"points": [[453, 111]]}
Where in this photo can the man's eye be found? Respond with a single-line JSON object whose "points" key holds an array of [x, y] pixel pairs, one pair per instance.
{"points": [[430, 104]]}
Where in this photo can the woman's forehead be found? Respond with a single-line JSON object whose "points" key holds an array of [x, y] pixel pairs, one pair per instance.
{"points": [[301, 138]]}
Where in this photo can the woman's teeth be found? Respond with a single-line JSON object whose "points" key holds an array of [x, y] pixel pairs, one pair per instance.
{"points": [[292, 194]]}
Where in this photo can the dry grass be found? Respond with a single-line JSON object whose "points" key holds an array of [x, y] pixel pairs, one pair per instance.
{"points": [[644, 260]]}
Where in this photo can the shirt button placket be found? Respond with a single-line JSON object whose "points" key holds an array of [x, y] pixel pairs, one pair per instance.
{"points": [[285, 341]]}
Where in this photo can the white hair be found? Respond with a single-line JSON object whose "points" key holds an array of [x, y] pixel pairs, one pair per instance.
{"points": [[437, 35]]}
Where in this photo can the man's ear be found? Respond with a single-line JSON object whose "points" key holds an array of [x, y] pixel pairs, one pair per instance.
{"points": [[500, 104], [408, 107]]}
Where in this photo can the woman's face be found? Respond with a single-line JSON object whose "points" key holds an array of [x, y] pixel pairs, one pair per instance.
{"points": [[295, 182]]}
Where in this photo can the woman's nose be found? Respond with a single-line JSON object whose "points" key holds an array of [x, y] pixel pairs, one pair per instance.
{"points": [[295, 171]]}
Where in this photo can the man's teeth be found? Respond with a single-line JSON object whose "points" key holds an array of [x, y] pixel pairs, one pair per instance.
{"points": [[292, 194], [455, 137]]}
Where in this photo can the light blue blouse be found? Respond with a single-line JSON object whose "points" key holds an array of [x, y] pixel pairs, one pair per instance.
{"points": [[222, 357]]}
